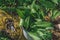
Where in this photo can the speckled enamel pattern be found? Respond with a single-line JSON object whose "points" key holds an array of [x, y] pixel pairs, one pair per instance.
{"points": [[14, 35]]}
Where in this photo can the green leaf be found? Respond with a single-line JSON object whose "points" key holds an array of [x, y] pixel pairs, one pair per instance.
{"points": [[20, 13], [55, 1], [27, 22], [43, 24], [47, 4], [58, 14], [34, 36]]}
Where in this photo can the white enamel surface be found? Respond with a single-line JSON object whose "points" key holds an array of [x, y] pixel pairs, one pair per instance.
{"points": [[59, 26], [26, 35]]}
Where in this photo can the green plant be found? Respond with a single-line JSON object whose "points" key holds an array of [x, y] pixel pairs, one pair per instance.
{"points": [[33, 12]]}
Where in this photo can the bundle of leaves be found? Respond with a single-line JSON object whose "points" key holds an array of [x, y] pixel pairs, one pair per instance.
{"points": [[33, 13]]}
